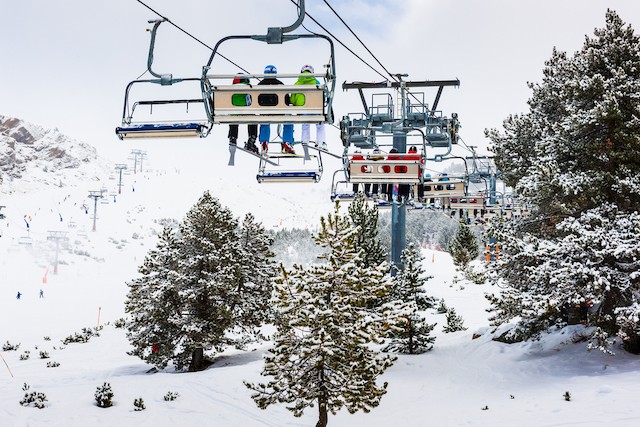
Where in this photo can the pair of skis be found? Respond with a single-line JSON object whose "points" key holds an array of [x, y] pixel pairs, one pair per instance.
{"points": [[232, 155], [265, 157]]}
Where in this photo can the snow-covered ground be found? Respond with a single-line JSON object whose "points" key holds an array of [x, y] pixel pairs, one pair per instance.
{"points": [[517, 385]]}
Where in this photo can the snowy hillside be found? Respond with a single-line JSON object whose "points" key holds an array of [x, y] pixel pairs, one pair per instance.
{"points": [[462, 381], [33, 158]]}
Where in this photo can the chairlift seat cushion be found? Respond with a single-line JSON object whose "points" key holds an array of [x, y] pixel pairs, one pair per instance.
{"points": [[154, 130], [378, 119], [438, 139], [291, 176], [418, 119], [360, 141]]}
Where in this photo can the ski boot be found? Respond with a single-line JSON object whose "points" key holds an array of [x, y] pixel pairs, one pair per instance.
{"points": [[251, 145], [287, 148]]}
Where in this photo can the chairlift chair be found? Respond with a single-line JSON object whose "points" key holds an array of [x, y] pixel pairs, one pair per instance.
{"points": [[170, 125], [340, 188], [25, 240], [443, 186], [289, 168], [269, 103]]}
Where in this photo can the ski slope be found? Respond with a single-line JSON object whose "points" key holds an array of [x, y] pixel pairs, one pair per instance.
{"points": [[518, 384]]}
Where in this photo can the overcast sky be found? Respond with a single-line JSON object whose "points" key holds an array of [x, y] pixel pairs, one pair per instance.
{"points": [[66, 63]]}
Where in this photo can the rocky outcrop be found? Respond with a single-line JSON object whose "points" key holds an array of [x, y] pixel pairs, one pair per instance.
{"points": [[32, 156]]}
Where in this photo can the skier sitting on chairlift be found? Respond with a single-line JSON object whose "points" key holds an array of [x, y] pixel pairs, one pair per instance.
{"points": [[299, 99], [239, 99], [267, 99]]}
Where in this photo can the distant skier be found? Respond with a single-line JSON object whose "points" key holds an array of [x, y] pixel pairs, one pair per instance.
{"points": [[41, 293], [19, 295]]}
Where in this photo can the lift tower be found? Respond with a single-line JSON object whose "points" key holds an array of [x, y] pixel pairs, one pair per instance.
{"points": [[367, 131]]}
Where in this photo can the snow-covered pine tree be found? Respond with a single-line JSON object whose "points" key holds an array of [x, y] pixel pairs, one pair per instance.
{"points": [[409, 284], [322, 351], [412, 332], [412, 335], [455, 322], [192, 293], [464, 247], [253, 285], [208, 268], [573, 156], [366, 218], [153, 303]]}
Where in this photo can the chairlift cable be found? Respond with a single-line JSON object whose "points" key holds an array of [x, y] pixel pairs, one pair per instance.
{"points": [[145, 72], [465, 146], [190, 35], [339, 41], [361, 42], [393, 77]]}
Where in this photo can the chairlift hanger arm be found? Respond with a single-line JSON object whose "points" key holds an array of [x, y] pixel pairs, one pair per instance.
{"points": [[301, 14], [275, 35], [364, 102], [165, 79], [434, 106]]}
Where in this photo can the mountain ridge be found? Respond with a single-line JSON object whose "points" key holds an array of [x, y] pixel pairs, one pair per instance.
{"points": [[26, 146]]}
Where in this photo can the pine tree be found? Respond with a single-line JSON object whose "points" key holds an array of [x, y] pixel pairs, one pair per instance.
{"points": [[412, 333], [322, 353], [455, 322], [153, 303], [253, 284], [573, 156], [409, 284], [464, 247], [366, 219], [198, 285]]}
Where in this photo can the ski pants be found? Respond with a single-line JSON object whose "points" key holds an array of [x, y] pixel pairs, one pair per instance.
{"points": [[287, 133], [320, 133], [252, 129]]}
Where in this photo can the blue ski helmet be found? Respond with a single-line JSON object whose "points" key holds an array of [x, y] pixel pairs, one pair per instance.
{"points": [[270, 69]]}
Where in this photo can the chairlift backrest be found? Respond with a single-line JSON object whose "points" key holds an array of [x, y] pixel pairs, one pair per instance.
{"points": [[265, 102]]}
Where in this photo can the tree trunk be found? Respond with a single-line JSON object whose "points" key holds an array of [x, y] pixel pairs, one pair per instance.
{"points": [[197, 360], [322, 413], [411, 349]]}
